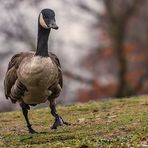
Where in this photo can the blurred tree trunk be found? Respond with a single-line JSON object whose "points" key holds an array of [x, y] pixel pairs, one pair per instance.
{"points": [[118, 15], [118, 37]]}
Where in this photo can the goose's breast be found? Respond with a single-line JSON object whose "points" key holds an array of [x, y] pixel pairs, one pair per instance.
{"points": [[38, 71], [37, 74]]}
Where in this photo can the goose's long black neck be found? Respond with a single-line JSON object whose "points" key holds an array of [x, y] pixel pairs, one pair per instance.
{"points": [[42, 42]]}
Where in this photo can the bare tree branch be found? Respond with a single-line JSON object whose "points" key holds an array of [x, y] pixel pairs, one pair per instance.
{"points": [[132, 9], [78, 77], [89, 9]]}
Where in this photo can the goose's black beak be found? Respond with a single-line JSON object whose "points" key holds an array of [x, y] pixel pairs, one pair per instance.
{"points": [[53, 25]]}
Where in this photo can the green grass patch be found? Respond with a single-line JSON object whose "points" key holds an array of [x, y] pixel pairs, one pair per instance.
{"points": [[112, 123]]}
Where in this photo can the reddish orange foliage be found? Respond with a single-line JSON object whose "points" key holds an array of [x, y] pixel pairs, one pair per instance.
{"points": [[105, 60]]}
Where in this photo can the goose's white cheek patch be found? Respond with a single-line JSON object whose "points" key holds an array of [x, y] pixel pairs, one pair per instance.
{"points": [[42, 22]]}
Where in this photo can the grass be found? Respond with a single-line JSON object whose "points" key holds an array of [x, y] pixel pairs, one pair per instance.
{"points": [[119, 123]]}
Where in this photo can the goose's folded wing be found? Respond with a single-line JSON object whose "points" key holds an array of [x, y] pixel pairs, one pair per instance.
{"points": [[11, 74], [57, 62]]}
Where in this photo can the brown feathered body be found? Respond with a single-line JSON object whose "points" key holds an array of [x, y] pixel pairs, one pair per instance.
{"points": [[32, 79]]}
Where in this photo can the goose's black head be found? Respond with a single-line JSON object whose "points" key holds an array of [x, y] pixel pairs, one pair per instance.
{"points": [[47, 19]]}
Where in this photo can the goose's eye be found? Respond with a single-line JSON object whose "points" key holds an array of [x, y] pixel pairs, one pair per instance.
{"points": [[45, 17]]}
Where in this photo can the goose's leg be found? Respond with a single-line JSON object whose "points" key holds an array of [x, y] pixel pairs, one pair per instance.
{"points": [[58, 119], [25, 109]]}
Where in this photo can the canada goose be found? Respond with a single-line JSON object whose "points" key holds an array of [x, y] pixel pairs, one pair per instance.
{"points": [[35, 77]]}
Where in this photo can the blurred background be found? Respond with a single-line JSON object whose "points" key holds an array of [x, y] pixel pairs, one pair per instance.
{"points": [[102, 45]]}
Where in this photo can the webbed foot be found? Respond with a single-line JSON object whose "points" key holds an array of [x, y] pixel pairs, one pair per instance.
{"points": [[31, 130], [59, 122]]}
